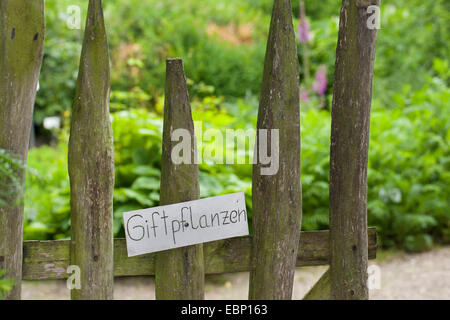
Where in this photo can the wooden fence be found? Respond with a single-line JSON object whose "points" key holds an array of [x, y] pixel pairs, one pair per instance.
{"points": [[277, 245]]}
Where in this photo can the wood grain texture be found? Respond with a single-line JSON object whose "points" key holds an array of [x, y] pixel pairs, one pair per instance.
{"points": [[22, 30], [179, 272], [91, 165], [45, 260], [277, 207], [350, 123]]}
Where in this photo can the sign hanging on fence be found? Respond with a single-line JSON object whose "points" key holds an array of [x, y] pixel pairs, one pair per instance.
{"points": [[186, 223]]}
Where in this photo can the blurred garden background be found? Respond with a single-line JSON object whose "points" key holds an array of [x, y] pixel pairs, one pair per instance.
{"points": [[222, 44]]}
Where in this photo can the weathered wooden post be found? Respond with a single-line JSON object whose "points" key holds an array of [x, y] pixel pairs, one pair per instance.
{"points": [[277, 206], [352, 97], [91, 165], [22, 30], [179, 272]]}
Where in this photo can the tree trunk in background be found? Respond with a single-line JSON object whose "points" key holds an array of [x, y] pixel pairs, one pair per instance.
{"points": [[179, 272], [91, 165], [349, 151], [277, 206], [22, 29]]}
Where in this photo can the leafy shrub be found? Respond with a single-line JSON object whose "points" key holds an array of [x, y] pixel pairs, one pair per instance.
{"points": [[60, 62], [408, 175], [223, 45], [412, 35], [6, 284], [409, 167], [47, 194], [10, 183], [137, 143]]}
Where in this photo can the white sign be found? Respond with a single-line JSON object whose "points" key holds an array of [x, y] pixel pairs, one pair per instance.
{"points": [[186, 223]]}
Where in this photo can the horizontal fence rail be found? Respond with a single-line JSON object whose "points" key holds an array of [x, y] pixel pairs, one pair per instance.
{"points": [[48, 260]]}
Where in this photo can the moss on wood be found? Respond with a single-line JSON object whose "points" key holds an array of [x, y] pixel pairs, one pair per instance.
{"points": [[21, 49], [179, 272], [352, 96], [277, 208], [91, 165]]}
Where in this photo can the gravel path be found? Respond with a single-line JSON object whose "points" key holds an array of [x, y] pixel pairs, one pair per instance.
{"points": [[403, 276]]}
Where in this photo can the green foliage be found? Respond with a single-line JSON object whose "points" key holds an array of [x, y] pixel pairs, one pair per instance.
{"points": [[413, 33], [315, 161], [222, 44], [408, 176], [60, 62], [47, 195], [6, 284], [10, 183], [216, 40], [137, 143], [409, 167], [137, 136]]}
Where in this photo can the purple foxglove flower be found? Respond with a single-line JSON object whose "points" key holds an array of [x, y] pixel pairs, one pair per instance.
{"points": [[303, 94], [320, 85], [303, 31]]}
